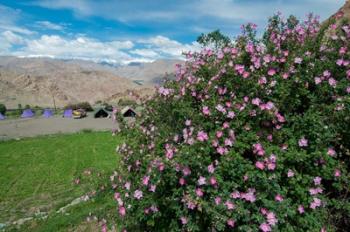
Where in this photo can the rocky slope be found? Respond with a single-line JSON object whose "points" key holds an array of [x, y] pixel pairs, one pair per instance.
{"points": [[41, 81]]}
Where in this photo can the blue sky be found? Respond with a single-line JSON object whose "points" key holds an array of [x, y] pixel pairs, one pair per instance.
{"points": [[123, 31]]}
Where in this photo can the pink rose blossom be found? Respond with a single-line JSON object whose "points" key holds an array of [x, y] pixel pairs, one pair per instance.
{"points": [[271, 218], [231, 114], [317, 180], [290, 173], [315, 203], [337, 173], [327, 73], [220, 55], [211, 168], [303, 142], [229, 205], [217, 200], [127, 185], [263, 211], [315, 191], [145, 180], [183, 220], [186, 171], [265, 227], [256, 101], [152, 188], [122, 211], [138, 194], [260, 165], [278, 198], [340, 62], [258, 149], [301, 209], [332, 82], [246, 74], [331, 152], [285, 76], [262, 81], [213, 181], [182, 181], [235, 195], [219, 134], [202, 181], [228, 142], [202, 136], [249, 196], [231, 223], [191, 205], [199, 192], [221, 150], [205, 110], [298, 60], [104, 228], [269, 137], [271, 72], [271, 166]]}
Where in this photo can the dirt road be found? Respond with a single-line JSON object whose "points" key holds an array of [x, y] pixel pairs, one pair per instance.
{"points": [[18, 128]]}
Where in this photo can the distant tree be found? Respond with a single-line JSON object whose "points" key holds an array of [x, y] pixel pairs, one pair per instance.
{"points": [[127, 102], [27, 106], [19, 106], [2, 108], [82, 105], [214, 39]]}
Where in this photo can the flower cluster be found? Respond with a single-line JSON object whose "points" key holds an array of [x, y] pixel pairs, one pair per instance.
{"points": [[252, 136]]}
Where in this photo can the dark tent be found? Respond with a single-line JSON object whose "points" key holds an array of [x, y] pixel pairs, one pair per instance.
{"points": [[2, 117], [68, 113], [128, 112], [47, 113], [101, 113], [27, 113]]}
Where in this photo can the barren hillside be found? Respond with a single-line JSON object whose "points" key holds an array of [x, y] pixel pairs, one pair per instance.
{"points": [[40, 81]]}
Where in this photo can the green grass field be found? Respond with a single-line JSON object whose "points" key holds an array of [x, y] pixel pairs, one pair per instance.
{"points": [[37, 174]]}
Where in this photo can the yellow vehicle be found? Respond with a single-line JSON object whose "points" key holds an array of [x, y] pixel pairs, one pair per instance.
{"points": [[79, 113]]}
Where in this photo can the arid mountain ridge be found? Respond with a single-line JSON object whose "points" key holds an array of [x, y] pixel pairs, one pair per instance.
{"points": [[43, 81]]}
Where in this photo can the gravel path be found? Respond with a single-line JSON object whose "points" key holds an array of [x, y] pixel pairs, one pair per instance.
{"points": [[18, 128]]}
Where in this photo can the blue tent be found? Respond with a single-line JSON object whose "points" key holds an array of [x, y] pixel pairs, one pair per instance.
{"points": [[68, 113], [47, 113], [2, 117], [27, 113]]}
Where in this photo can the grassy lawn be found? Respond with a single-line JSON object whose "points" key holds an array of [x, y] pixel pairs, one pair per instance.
{"points": [[37, 174]]}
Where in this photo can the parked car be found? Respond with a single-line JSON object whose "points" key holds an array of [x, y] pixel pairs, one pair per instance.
{"points": [[79, 113]]}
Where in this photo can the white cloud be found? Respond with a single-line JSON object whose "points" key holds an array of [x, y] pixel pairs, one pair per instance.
{"points": [[13, 38], [78, 48], [8, 20], [167, 47], [49, 25], [82, 47], [145, 53]]}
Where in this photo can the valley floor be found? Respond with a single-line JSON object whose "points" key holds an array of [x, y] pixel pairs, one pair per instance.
{"points": [[18, 128]]}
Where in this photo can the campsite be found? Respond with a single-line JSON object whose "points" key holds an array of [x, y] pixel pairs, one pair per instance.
{"points": [[48, 123]]}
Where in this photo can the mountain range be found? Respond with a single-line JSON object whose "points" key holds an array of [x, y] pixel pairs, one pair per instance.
{"points": [[45, 81]]}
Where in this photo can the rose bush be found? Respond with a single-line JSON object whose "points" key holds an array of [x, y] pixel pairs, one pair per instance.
{"points": [[254, 136]]}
